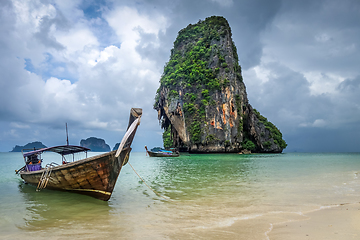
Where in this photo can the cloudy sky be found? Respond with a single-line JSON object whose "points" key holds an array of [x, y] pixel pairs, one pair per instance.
{"points": [[88, 62]]}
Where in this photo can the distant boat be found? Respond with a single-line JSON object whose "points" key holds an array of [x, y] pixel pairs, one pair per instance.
{"points": [[94, 176], [161, 152]]}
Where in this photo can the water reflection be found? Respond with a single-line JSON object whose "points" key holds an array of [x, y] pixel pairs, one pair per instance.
{"points": [[49, 209], [212, 177]]}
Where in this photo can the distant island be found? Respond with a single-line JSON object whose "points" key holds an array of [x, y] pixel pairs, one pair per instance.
{"points": [[116, 146], [95, 144], [32, 145]]}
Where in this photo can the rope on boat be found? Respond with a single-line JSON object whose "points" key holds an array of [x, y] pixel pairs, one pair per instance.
{"points": [[166, 198]]}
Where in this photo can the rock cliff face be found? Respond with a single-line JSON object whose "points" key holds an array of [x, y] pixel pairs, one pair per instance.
{"points": [[95, 144], [202, 102]]}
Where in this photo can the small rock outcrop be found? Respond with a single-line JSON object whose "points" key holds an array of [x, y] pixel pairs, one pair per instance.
{"points": [[95, 144], [32, 145], [202, 102], [116, 146]]}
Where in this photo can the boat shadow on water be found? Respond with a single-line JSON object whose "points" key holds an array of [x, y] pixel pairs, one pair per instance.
{"points": [[49, 209]]}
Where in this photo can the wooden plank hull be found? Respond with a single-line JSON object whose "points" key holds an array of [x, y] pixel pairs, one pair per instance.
{"points": [[157, 154], [94, 176]]}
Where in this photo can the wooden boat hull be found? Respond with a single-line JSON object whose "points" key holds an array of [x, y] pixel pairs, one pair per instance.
{"points": [[95, 176], [156, 154]]}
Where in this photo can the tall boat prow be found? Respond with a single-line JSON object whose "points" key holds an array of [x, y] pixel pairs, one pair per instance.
{"points": [[94, 176]]}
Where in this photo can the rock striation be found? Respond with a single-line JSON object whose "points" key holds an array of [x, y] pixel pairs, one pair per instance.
{"points": [[202, 102]]}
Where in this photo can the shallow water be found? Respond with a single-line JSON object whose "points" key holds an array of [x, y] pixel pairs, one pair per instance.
{"points": [[227, 196]]}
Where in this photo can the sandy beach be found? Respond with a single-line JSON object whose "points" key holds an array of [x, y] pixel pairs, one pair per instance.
{"points": [[336, 222], [340, 222]]}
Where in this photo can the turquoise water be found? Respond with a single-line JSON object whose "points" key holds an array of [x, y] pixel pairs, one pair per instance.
{"points": [[207, 192]]}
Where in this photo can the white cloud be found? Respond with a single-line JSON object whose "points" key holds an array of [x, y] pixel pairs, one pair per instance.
{"points": [[323, 83], [300, 61], [104, 55], [79, 39], [318, 123], [32, 13], [19, 125], [126, 21]]}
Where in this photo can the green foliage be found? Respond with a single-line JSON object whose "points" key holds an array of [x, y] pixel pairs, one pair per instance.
{"points": [[167, 138], [225, 83], [173, 94], [211, 138], [204, 102], [202, 112], [213, 84], [274, 131], [240, 115], [190, 65], [191, 97], [260, 117], [195, 132], [241, 125], [267, 144], [222, 60], [235, 52], [239, 77], [205, 94], [189, 109], [249, 145]]}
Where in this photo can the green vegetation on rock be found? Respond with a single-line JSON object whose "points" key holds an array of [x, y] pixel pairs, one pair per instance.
{"points": [[167, 139], [249, 145], [202, 96], [275, 132], [189, 69]]}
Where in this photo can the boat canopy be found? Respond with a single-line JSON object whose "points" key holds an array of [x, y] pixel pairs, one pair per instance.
{"points": [[62, 150]]}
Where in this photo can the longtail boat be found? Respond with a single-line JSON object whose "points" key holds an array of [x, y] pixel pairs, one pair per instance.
{"points": [[93, 176], [161, 152]]}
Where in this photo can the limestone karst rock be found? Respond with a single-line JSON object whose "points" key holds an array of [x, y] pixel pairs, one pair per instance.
{"points": [[202, 101], [32, 145], [95, 144]]}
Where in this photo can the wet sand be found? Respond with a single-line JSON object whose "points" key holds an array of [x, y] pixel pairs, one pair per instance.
{"points": [[335, 222]]}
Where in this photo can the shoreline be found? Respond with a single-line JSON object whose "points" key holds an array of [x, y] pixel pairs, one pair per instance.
{"points": [[333, 222], [336, 222]]}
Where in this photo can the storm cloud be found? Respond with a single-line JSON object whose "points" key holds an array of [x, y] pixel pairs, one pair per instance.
{"points": [[88, 62]]}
